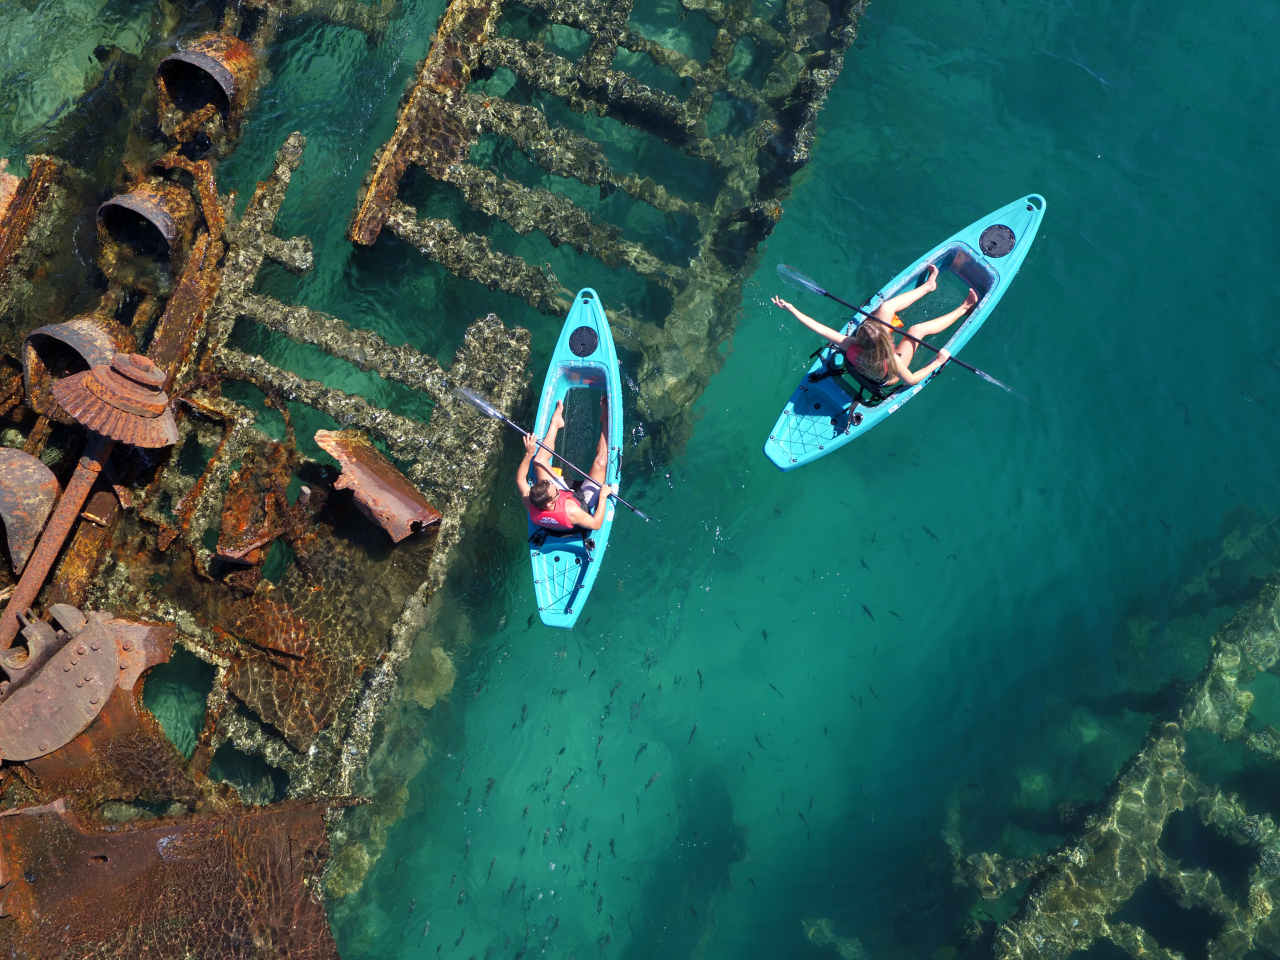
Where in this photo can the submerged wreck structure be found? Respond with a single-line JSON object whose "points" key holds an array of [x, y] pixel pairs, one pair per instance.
{"points": [[160, 514], [1076, 895]]}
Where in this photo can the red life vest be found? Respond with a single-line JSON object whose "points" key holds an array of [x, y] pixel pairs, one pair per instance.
{"points": [[554, 519]]}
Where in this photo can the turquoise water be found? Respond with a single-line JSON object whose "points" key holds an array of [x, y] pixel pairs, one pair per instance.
{"points": [[773, 752], [1008, 547]]}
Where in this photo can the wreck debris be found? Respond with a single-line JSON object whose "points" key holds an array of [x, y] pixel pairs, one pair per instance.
{"points": [[156, 218], [28, 491], [1075, 889], [59, 350], [193, 886], [214, 76], [382, 492], [441, 118], [120, 403]]}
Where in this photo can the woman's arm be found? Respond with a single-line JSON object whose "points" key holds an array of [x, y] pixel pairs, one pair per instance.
{"points": [[591, 521], [522, 471], [912, 377], [820, 329]]}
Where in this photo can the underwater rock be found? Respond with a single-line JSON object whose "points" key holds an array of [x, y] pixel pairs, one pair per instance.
{"points": [[822, 932], [432, 679]]}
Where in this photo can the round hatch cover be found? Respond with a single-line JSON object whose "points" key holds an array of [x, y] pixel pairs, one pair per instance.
{"points": [[583, 342], [996, 240]]}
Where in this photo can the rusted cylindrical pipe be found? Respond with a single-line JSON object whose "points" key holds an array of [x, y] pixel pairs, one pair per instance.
{"points": [[155, 218], [217, 70]]}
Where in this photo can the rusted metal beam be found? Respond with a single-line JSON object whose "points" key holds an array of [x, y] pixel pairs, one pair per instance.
{"points": [[382, 492]]}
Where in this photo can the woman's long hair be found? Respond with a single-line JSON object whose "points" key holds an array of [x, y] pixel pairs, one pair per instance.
{"points": [[875, 350]]}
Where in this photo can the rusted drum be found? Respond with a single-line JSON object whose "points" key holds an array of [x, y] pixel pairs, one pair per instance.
{"points": [[156, 218], [216, 70], [59, 350]]}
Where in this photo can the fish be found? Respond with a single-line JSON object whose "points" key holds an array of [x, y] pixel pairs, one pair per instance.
{"points": [[526, 812], [694, 912], [643, 748], [801, 816], [412, 903], [776, 690], [758, 743], [489, 786], [824, 733], [546, 835], [530, 623], [451, 880], [593, 673], [425, 930], [599, 741], [873, 691], [931, 533], [651, 780], [777, 811], [989, 715], [460, 936], [510, 889], [691, 733], [735, 623], [460, 773], [896, 614], [765, 633], [462, 895], [864, 564], [699, 679], [492, 864], [397, 866], [467, 799], [612, 852], [587, 856], [753, 759], [811, 799], [868, 613], [615, 689], [952, 556], [467, 851]]}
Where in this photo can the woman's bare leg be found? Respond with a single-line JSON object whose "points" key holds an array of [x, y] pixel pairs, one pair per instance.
{"points": [[549, 441], [600, 466], [899, 303], [906, 349]]}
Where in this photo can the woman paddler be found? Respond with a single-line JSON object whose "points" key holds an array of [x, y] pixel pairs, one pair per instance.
{"points": [[870, 349], [552, 503]]}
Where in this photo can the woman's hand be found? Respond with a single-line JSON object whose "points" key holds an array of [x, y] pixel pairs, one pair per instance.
{"points": [[530, 445], [943, 356], [783, 305]]}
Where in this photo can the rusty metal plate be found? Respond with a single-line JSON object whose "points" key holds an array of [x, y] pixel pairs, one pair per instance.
{"points": [[382, 492], [28, 491], [52, 707]]}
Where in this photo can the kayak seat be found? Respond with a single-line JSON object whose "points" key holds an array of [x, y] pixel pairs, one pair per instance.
{"points": [[867, 392], [540, 536]]}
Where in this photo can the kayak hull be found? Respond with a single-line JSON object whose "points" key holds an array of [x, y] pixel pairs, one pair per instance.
{"points": [[565, 568], [820, 418]]}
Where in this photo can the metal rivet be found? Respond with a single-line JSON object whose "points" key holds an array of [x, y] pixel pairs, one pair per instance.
{"points": [[40, 688], [94, 698], [44, 747], [74, 661], [79, 683], [124, 666], [94, 645], [66, 668], [126, 645], [81, 649]]}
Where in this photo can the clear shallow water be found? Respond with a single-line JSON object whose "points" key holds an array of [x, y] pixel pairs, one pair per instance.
{"points": [[1008, 548], [1016, 556]]}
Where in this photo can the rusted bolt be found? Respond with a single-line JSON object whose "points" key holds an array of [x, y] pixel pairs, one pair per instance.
{"points": [[94, 698], [127, 645], [79, 683], [44, 747], [94, 645], [81, 649], [66, 668]]}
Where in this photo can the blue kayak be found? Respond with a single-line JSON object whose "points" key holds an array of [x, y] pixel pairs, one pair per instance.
{"points": [[830, 407], [565, 564]]}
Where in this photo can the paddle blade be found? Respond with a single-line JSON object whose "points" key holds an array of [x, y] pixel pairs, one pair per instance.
{"points": [[795, 279], [477, 401], [1003, 386]]}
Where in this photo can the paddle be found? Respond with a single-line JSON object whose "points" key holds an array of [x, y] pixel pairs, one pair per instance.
{"points": [[798, 281], [489, 410]]}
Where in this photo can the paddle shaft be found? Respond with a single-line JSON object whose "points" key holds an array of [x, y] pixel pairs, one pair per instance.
{"points": [[869, 316], [524, 432]]}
